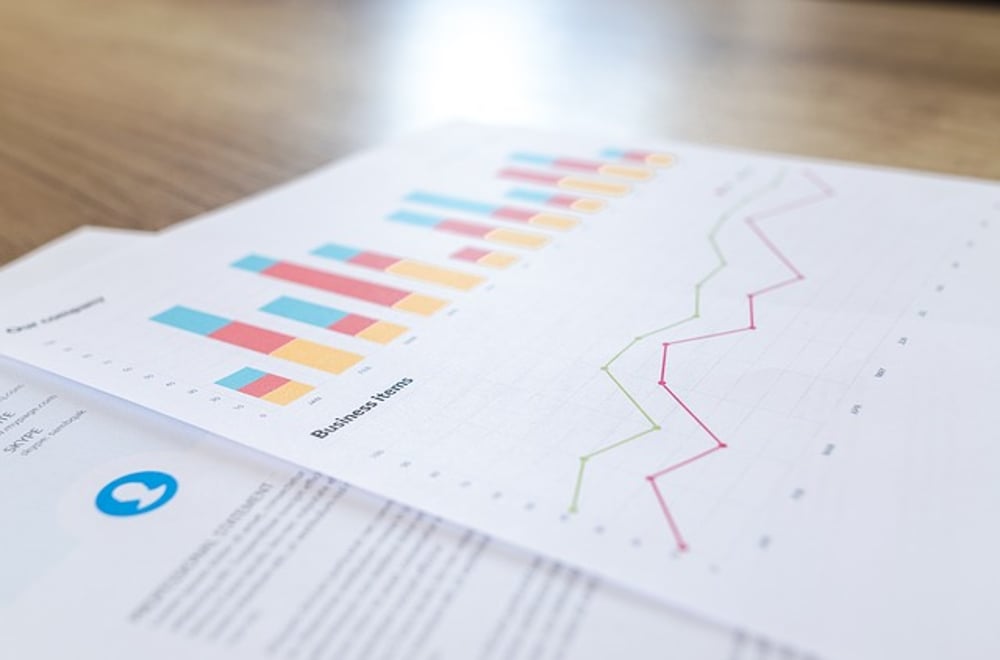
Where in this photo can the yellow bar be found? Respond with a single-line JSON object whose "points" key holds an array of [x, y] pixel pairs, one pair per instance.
{"points": [[435, 274], [381, 332], [660, 160], [518, 238], [554, 221], [637, 173], [317, 356], [287, 393], [590, 185], [420, 304], [497, 260], [588, 205]]}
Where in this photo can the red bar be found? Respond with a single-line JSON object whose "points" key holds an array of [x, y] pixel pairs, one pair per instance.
{"points": [[373, 260], [511, 213], [352, 324], [566, 201], [640, 156], [577, 164], [528, 175], [264, 385], [465, 228], [470, 254], [345, 286], [252, 337]]}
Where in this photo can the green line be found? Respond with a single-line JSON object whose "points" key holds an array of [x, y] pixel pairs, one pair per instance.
{"points": [[615, 445], [631, 399], [576, 489], [574, 505], [622, 352], [673, 325], [696, 313]]}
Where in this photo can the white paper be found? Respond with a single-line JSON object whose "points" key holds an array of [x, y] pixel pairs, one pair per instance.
{"points": [[831, 325]]}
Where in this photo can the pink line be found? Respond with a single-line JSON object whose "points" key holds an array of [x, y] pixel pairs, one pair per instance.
{"points": [[789, 206], [751, 221], [713, 335], [818, 182], [519, 174], [686, 461], [775, 287], [681, 543], [719, 444], [771, 246]]}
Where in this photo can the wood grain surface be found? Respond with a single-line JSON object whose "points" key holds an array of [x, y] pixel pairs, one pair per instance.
{"points": [[140, 113]]}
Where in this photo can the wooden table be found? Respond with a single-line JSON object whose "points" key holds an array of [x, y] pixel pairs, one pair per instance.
{"points": [[140, 113]]}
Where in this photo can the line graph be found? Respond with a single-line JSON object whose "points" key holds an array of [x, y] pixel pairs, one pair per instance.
{"points": [[822, 192], [753, 222], [721, 263]]}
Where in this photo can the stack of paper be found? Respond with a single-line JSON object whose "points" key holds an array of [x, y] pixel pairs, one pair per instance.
{"points": [[650, 400]]}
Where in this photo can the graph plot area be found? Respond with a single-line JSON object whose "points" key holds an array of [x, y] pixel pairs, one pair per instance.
{"points": [[820, 192]]}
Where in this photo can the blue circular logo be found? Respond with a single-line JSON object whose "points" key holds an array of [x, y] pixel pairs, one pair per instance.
{"points": [[136, 493]]}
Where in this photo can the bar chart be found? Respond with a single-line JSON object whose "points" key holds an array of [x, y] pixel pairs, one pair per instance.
{"points": [[562, 192]]}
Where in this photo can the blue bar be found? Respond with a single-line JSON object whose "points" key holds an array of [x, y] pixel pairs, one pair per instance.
{"points": [[338, 252], [304, 312], [613, 153], [525, 195], [451, 203], [241, 378], [533, 159], [191, 320], [418, 219], [254, 263]]}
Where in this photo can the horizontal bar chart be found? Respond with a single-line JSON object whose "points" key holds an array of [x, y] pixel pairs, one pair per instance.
{"points": [[499, 212], [489, 233], [330, 318], [580, 165], [639, 156], [260, 340], [400, 266], [377, 294], [485, 257], [573, 183], [571, 202], [265, 386]]}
